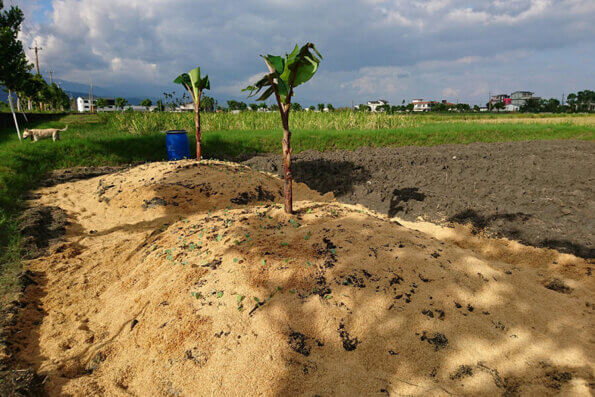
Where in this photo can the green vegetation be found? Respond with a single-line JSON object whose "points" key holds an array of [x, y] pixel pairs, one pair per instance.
{"points": [[105, 139], [195, 84], [286, 73]]}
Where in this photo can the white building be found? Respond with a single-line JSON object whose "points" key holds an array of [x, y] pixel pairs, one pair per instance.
{"points": [[374, 105], [186, 107], [419, 105], [83, 105], [511, 108]]}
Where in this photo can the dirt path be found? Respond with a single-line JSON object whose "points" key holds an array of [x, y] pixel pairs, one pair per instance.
{"points": [[540, 193]]}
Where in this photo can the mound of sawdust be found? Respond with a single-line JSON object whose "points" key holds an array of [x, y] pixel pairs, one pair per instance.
{"points": [[186, 279]]}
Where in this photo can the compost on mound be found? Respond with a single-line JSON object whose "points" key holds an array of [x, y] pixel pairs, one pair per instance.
{"points": [[188, 279]]}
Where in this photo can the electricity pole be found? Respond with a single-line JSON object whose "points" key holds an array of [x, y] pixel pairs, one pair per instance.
{"points": [[37, 49], [489, 101], [51, 81], [91, 96]]}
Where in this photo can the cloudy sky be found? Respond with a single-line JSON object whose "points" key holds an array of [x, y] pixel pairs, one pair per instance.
{"points": [[458, 50]]}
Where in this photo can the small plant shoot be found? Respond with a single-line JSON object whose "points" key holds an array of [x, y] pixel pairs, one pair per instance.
{"points": [[195, 84], [286, 73]]}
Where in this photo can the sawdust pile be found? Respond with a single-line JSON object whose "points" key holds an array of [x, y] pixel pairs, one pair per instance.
{"points": [[187, 279]]}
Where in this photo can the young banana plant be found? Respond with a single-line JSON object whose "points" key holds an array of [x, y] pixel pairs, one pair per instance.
{"points": [[193, 82], [286, 73]]}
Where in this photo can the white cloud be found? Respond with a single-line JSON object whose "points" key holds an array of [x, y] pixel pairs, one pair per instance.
{"points": [[370, 47]]}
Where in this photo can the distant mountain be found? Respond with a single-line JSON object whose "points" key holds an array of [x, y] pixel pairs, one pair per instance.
{"points": [[77, 89]]}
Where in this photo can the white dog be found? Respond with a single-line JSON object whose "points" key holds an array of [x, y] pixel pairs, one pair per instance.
{"points": [[42, 134]]}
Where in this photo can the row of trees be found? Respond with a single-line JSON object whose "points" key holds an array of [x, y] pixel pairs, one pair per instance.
{"points": [[582, 101], [15, 70]]}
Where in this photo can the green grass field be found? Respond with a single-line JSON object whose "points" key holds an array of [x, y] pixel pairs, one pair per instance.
{"points": [[125, 138]]}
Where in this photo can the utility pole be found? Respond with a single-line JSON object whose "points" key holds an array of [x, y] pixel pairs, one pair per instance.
{"points": [[51, 81], [37, 49], [489, 101], [90, 96]]}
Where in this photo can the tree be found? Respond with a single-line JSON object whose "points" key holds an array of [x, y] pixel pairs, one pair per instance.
{"points": [[31, 87], [147, 103], [476, 108], [312, 108], [499, 106], [385, 108], [463, 107], [120, 103], [253, 106], [296, 107], [439, 107], [235, 105], [207, 104], [330, 107], [321, 107], [409, 107], [571, 100], [195, 84], [14, 68], [551, 105], [102, 103], [584, 100], [532, 105], [159, 106], [285, 74]]}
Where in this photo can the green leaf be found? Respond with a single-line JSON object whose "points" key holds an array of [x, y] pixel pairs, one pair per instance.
{"points": [[240, 298], [256, 299], [205, 84], [265, 95], [264, 263], [219, 294], [183, 79], [277, 62]]}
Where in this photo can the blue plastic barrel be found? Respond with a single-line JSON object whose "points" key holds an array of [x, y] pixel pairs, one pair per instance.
{"points": [[178, 147]]}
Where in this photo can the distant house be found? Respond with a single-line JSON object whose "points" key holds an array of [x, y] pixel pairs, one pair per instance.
{"points": [[374, 105], [511, 108], [449, 105], [137, 108], [504, 98], [419, 105], [186, 107], [84, 105], [519, 98]]}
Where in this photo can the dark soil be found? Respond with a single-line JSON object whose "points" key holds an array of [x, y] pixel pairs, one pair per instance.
{"points": [[539, 193], [40, 228], [78, 173]]}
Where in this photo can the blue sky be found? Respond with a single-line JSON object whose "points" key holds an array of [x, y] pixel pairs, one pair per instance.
{"points": [[458, 50]]}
